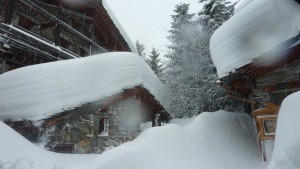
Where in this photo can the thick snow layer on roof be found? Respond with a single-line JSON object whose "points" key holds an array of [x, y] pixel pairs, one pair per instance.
{"points": [[219, 140], [286, 153], [255, 29], [40, 90], [240, 5], [119, 26]]}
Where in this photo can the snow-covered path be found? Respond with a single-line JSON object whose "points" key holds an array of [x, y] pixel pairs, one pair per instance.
{"points": [[213, 140]]}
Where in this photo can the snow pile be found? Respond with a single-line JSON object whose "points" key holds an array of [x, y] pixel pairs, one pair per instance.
{"points": [[118, 25], [182, 121], [219, 140], [18, 153], [214, 140], [44, 89], [256, 28], [286, 153]]}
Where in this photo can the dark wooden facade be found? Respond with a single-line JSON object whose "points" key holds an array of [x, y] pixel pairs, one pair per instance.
{"points": [[39, 31]]}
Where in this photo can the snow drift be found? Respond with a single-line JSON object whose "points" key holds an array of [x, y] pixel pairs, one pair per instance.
{"points": [[257, 27], [214, 140], [219, 140], [42, 90], [18, 153], [286, 153]]}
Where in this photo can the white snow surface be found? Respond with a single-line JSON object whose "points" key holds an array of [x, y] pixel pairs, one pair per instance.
{"points": [[240, 5], [256, 28], [119, 26], [219, 140], [41, 90], [286, 153], [18, 153]]}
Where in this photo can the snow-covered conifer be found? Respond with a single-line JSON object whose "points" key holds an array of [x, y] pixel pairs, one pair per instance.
{"points": [[154, 62], [190, 74], [215, 13], [140, 49]]}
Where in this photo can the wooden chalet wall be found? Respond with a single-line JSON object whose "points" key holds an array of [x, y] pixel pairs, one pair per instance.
{"points": [[33, 31]]}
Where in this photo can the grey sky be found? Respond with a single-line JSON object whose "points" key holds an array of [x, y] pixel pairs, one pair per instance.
{"points": [[148, 20]]}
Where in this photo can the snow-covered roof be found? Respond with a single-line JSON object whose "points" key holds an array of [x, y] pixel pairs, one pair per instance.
{"points": [[256, 28], [41, 90], [119, 26]]}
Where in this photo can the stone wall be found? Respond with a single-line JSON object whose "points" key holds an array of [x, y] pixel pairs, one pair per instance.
{"points": [[288, 73], [86, 131]]}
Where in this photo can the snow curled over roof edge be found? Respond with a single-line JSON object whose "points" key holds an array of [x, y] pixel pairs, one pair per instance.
{"points": [[118, 25], [41, 90], [257, 28]]}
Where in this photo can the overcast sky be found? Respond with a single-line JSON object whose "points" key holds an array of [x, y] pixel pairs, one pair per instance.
{"points": [[148, 20]]}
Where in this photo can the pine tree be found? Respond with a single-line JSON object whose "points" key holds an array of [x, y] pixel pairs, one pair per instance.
{"points": [[177, 75], [190, 74], [140, 49], [215, 13], [154, 62]]}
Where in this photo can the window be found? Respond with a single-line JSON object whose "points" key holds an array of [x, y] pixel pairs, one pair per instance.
{"points": [[64, 148], [270, 126], [103, 126]]}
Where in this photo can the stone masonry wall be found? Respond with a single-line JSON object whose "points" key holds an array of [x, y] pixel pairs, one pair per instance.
{"points": [[288, 73], [124, 119]]}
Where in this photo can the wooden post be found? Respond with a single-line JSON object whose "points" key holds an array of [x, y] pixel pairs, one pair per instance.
{"points": [[92, 31], [8, 10], [57, 27]]}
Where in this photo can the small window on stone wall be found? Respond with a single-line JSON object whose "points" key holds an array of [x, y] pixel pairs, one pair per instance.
{"points": [[103, 126], [64, 148]]}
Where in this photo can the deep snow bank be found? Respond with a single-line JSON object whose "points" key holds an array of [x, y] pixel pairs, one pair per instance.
{"points": [[219, 140], [286, 153], [44, 89], [257, 27], [18, 153]]}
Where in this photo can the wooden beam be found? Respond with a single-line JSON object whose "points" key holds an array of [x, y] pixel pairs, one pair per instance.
{"points": [[8, 10], [57, 28], [33, 43], [47, 25], [63, 25]]}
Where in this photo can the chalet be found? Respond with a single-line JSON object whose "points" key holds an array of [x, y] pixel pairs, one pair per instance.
{"points": [[40, 31], [82, 105], [257, 56], [84, 109]]}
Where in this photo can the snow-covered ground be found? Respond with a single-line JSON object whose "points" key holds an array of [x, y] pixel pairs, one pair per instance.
{"points": [[213, 140], [18, 153], [44, 89]]}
